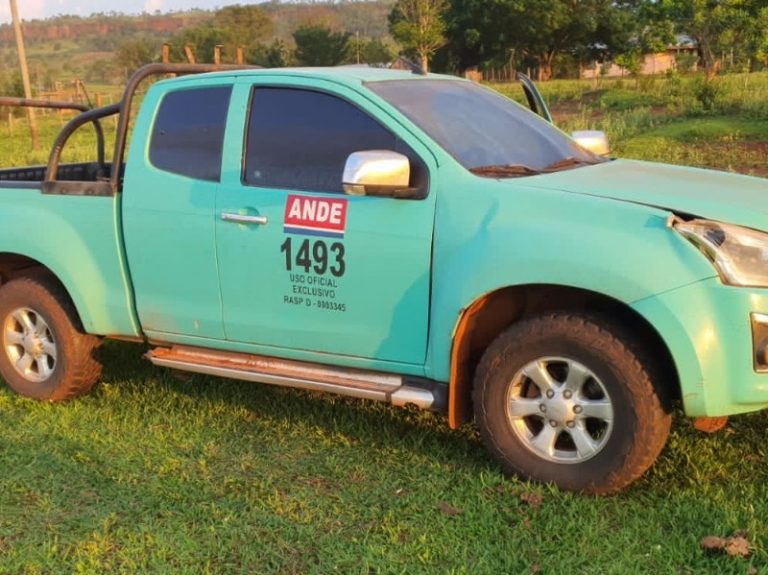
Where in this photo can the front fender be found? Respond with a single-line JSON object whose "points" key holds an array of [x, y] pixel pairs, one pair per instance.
{"points": [[532, 236]]}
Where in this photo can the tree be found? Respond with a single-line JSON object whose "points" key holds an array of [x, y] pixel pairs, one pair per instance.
{"points": [[204, 39], [246, 26], [318, 45], [630, 30], [132, 54], [375, 51], [534, 33], [273, 56], [418, 25], [715, 25]]}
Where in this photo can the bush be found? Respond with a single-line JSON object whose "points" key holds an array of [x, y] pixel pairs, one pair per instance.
{"points": [[706, 94]]}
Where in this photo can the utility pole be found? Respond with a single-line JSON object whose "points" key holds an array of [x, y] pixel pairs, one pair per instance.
{"points": [[24, 73]]}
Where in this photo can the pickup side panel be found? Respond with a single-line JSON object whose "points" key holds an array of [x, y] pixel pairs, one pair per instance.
{"points": [[76, 237], [490, 236]]}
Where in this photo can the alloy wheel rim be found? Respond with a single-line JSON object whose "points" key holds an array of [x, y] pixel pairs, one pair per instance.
{"points": [[29, 345], [560, 410]]}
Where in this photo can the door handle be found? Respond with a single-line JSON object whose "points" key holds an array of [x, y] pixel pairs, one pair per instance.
{"points": [[241, 219]]}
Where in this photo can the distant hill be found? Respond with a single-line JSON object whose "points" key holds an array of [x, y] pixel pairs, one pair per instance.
{"points": [[368, 18], [68, 47], [99, 26]]}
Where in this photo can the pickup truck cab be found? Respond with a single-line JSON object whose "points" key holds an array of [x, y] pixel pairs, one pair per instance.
{"points": [[416, 239]]}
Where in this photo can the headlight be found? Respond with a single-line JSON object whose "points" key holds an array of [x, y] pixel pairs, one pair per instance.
{"points": [[740, 255]]}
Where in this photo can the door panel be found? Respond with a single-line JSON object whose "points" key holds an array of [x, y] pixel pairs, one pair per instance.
{"points": [[326, 272], [168, 211]]}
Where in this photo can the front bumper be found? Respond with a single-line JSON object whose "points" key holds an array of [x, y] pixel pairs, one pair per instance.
{"points": [[708, 329]]}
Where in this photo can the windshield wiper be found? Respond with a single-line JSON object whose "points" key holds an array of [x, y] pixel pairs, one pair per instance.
{"points": [[569, 162], [504, 170]]}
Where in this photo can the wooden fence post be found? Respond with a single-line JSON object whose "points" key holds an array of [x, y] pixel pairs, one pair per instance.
{"points": [[189, 53]]}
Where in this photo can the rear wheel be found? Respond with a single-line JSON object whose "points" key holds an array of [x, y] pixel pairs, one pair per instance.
{"points": [[44, 354], [565, 398]]}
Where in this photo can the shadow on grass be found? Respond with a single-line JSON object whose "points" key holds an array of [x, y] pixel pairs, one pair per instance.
{"points": [[725, 464], [377, 425]]}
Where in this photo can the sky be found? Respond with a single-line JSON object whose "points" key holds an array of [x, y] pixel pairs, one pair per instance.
{"points": [[29, 9]]}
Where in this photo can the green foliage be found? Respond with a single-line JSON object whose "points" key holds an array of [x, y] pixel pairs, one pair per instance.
{"points": [[375, 51], [686, 61], [244, 26], [132, 54], [531, 33], [737, 29], [419, 27], [273, 56], [706, 94], [631, 61], [318, 45], [13, 85], [202, 39], [231, 27]]}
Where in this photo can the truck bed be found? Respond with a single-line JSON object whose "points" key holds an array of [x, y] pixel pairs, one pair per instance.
{"points": [[76, 172]]}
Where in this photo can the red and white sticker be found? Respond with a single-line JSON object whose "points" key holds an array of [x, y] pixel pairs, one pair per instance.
{"points": [[312, 216]]}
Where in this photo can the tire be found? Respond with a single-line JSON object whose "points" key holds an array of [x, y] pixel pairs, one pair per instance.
{"points": [[44, 353], [565, 398]]}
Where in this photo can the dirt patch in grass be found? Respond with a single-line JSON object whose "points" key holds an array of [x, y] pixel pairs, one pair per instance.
{"points": [[746, 157]]}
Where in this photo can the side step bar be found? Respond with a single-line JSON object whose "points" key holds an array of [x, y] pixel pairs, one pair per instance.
{"points": [[379, 386]]}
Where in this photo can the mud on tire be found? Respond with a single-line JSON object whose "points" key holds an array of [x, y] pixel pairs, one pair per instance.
{"points": [[44, 353], [567, 398]]}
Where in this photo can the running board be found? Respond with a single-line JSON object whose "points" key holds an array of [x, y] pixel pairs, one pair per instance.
{"points": [[379, 386]]}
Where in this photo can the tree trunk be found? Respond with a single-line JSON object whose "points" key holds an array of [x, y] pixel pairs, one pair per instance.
{"points": [[711, 62], [424, 61], [545, 66], [713, 68]]}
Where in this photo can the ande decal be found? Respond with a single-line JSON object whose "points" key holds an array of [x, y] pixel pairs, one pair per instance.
{"points": [[315, 216]]}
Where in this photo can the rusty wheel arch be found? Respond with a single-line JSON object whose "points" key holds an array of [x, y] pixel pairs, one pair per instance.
{"points": [[489, 315]]}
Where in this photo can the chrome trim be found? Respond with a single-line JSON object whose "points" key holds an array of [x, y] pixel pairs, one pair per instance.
{"points": [[285, 373], [422, 398], [371, 171], [241, 219]]}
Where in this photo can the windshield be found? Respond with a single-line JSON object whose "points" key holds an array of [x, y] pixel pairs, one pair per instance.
{"points": [[487, 133]]}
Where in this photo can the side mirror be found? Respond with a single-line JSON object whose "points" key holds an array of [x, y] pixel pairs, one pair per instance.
{"points": [[593, 140], [377, 173]]}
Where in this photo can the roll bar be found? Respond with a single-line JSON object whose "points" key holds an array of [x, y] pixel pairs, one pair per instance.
{"points": [[61, 105], [123, 108], [130, 89]]}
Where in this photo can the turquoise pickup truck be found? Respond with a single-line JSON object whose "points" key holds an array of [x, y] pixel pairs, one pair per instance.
{"points": [[415, 239]]}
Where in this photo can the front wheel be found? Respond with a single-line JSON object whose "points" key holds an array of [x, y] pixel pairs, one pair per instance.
{"points": [[564, 398], [44, 353]]}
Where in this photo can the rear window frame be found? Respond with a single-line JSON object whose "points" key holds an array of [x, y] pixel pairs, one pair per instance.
{"points": [[210, 172]]}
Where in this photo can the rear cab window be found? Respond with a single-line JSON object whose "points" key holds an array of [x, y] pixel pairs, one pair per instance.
{"points": [[188, 133]]}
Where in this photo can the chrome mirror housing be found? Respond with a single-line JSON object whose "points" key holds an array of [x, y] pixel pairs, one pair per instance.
{"points": [[377, 173], [593, 140]]}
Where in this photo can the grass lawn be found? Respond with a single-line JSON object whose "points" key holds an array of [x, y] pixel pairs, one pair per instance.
{"points": [[157, 473], [154, 474]]}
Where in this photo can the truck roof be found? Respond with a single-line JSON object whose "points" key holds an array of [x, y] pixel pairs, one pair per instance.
{"points": [[346, 74]]}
